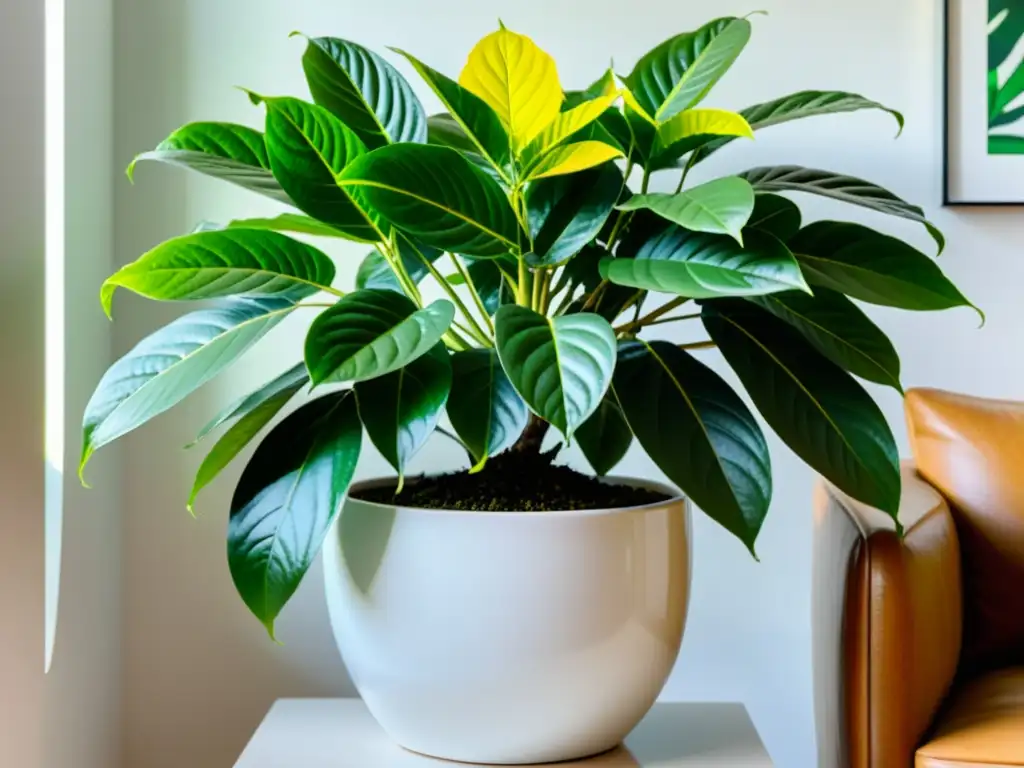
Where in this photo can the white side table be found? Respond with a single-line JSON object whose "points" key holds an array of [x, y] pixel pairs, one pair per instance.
{"points": [[340, 733]]}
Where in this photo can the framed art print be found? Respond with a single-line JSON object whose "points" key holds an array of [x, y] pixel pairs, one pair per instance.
{"points": [[984, 120]]}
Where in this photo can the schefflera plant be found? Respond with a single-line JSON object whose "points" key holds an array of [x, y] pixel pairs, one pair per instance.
{"points": [[518, 203]]}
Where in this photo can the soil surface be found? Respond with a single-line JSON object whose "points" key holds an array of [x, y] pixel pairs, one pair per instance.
{"points": [[512, 482]]}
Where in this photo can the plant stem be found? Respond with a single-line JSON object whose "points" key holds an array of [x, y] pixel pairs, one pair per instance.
{"points": [[523, 296], [652, 316], [473, 292], [474, 330], [545, 290], [594, 296], [535, 291], [699, 345], [453, 341], [316, 304], [398, 268], [686, 170], [635, 325]]}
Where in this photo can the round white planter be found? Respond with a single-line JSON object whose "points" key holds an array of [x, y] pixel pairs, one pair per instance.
{"points": [[509, 637]]}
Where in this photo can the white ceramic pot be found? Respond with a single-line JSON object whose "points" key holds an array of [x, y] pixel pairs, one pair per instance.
{"points": [[509, 637]]}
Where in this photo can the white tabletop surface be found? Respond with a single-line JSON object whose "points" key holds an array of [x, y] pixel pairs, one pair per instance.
{"points": [[340, 733]]}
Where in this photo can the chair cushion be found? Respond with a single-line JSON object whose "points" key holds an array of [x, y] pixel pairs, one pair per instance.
{"points": [[972, 450], [983, 725]]}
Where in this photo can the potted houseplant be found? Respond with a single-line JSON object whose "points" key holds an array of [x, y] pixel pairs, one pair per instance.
{"points": [[518, 610]]}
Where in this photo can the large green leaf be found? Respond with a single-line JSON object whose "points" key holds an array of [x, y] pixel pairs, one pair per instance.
{"points": [[699, 433], [817, 408], [567, 212], [838, 329], [722, 206], [251, 414], [681, 71], [288, 222], [776, 215], [873, 267], [225, 151], [481, 125], [702, 266], [370, 333], [288, 496], [692, 129], [484, 408], [445, 131], [308, 148], [364, 91], [167, 366], [400, 410], [604, 438], [434, 194], [231, 262], [560, 366], [846, 189]]}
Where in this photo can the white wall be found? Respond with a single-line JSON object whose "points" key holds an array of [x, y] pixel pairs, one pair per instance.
{"points": [[198, 671]]}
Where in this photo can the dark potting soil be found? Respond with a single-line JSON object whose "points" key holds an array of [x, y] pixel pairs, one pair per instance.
{"points": [[512, 482]]}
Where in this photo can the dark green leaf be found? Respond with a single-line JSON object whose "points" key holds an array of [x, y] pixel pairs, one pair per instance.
{"points": [[604, 438], [374, 271], [400, 410], [225, 151], [288, 496], [838, 329], [722, 206], [1006, 35], [817, 408], [699, 433], [167, 366], [484, 407], [364, 91], [560, 366], [445, 131], [777, 215], [488, 279], [437, 196], [370, 333], [233, 262]]}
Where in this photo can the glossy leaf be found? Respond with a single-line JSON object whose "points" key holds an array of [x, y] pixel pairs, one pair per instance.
{"points": [[225, 151], [250, 415], [565, 125], [605, 437], [702, 266], [822, 413], [873, 267], [680, 72], [289, 222], [488, 279], [308, 148], [567, 212], [370, 333], [846, 189], [484, 408], [838, 329], [167, 366], [699, 433], [288, 496], [445, 131], [400, 410], [517, 80], [364, 91], [693, 128], [437, 196], [722, 206], [231, 262], [560, 366], [573, 158], [776, 215]]}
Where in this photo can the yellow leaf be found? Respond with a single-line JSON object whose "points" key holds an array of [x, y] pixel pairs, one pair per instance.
{"points": [[703, 122], [517, 80], [565, 125], [633, 105], [572, 158], [604, 86]]}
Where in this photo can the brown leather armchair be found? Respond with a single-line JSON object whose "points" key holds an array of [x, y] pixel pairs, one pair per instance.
{"points": [[919, 643]]}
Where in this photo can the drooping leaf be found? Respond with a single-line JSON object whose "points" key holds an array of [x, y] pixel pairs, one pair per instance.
{"points": [[573, 158], [231, 262], [817, 408], [288, 496], [167, 366], [308, 148], [437, 196], [480, 124], [289, 222], [400, 410], [694, 128], [604, 438], [370, 333], [567, 212], [699, 433], [722, 206], [681, 71], [776, 215], [846, 189], [560, 366], [251, 414], [703, 266], [225, 151], [364, 91], [565, 125], [867, 265], [838, 329], [484, 408], [517, 80]]}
